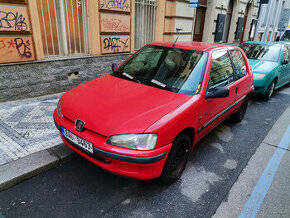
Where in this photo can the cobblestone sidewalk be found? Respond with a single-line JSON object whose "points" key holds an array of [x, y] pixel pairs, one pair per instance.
{"points": [[27, 126]]}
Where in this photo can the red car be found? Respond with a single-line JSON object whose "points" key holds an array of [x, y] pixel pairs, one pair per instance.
{"points": [[142, 120]]}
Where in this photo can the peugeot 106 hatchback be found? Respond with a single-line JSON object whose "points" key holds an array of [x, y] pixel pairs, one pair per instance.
{"points": [[270, 64], [142, 120]]}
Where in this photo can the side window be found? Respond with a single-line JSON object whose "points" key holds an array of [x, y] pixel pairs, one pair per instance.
{"points": [[286, 53], [221, 73], [239, 64]]}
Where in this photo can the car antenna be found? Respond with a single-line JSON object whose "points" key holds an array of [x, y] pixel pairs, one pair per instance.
{"points": [[175, 41], [177, 29]]}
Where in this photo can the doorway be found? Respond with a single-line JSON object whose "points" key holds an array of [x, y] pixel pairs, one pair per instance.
{"points": [[199, 23]]}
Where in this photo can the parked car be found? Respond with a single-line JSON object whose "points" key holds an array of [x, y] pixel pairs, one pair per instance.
{"points": [[270, 64], [142, 120]]}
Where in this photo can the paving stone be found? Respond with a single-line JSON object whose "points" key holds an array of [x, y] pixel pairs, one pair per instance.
{"points": [[27, 127]]}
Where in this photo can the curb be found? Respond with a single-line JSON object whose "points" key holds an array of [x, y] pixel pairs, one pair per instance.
{"points": [[31, 165]]}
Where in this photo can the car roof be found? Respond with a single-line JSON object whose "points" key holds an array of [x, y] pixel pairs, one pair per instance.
{"points": [[284, 43], [260, 43], [198, 46]]}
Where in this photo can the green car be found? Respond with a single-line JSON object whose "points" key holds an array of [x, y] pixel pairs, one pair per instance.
{"points": [[270, 64]]}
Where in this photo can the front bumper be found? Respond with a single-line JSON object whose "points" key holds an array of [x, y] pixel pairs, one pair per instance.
{"points": [[260, 86], [122, 161]]}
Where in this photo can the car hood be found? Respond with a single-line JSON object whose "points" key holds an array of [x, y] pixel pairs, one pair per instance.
{"points": [[109, 105], [260, 66]]}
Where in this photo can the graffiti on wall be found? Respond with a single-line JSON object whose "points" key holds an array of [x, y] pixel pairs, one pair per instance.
{"points": [[15, 49], [116, 5], [13, 19], [115, 23], [115, 44]]}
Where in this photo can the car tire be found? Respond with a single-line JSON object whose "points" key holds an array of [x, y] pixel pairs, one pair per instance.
{"points": [[239, 115], [177, 159], [269, 91]]}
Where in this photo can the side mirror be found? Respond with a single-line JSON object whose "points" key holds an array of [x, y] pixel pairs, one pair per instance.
{"points": [[278, 39], [285, 61], [114, 66], [218, 92]]}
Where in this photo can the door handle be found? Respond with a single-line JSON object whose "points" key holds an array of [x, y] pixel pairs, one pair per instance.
{"points": [[237, 88]]}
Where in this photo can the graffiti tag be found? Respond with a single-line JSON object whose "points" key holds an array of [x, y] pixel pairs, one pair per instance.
{"points": [[123, 5], [22, 47], [12, 21], [114, 25], [115, 44], [14, 49]]}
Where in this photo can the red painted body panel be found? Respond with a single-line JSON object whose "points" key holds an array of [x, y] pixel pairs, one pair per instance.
{"points": [[198, 46], [111, 105]]}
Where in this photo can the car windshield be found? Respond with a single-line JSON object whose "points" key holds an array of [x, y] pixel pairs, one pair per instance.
{"points": [[286, 36], [262, 52], [173, 69]]}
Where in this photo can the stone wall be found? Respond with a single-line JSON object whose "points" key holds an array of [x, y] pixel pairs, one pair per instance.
{"points": [[31, 79]]}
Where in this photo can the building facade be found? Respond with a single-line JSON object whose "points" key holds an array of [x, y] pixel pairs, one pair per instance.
{"points": [[273, 19], [49, 46]]}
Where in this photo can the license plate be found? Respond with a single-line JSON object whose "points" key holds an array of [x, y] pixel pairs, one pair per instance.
{"points": [[80, 142]]}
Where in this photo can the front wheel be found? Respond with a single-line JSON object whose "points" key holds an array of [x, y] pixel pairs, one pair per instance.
{"points": [[269, 91], [239, 115], [177, 159]]}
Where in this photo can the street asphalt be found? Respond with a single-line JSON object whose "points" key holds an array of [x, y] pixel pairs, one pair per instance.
{"points": [[78, 188]]}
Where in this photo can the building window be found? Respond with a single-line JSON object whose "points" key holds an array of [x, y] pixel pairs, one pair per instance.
{"points": [[145, 17], [63, 27], [260, 36]]}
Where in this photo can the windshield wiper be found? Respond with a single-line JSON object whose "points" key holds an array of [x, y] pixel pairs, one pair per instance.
{"points": [[126, 75], [162, 85]]}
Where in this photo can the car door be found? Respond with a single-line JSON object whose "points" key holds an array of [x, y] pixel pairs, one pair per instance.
{"points": [[288, 65], [285, 66], [240, 72], [221, 75]]}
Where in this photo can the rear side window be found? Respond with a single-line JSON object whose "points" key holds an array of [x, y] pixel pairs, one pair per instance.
{"points": [[286, 54], [239, 64], [221, 73]]}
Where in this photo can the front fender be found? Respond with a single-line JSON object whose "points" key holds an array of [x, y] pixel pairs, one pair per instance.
{"points": [[261, 85]]}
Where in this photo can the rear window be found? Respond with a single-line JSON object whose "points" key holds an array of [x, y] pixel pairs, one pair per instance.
{"points": [[262, 52]]}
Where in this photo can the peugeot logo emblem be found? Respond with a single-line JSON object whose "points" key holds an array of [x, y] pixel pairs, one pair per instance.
{"points": [[79, 125]]}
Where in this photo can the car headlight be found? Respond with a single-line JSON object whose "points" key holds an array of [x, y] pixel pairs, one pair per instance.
{"points": [[259, 75], [58, 109], [146, 141]]}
